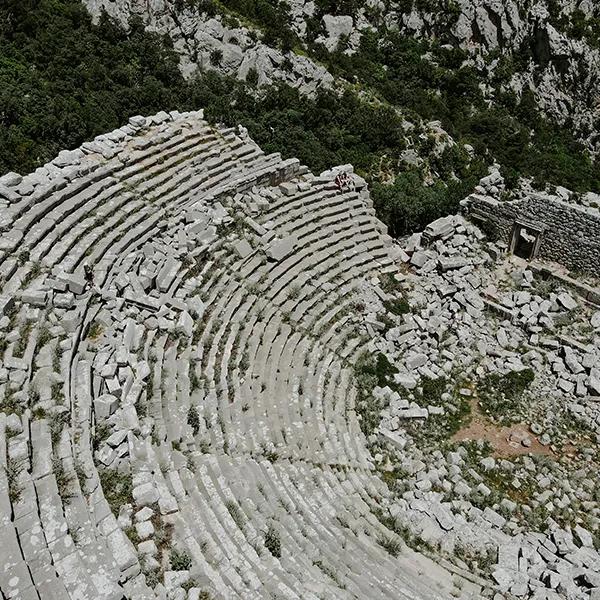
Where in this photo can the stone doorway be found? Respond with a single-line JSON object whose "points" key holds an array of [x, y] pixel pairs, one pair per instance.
{"points": [[525, 241]]}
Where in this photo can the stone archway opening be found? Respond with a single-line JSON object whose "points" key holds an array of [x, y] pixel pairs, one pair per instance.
{"points": [[525, 241]]}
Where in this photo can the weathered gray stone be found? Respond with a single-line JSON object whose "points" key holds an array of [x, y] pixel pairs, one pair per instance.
{"points": [[278, 249], [418, 259], [242, 248], [144, 529], [145, 495], [105, 405], [185, 324]]}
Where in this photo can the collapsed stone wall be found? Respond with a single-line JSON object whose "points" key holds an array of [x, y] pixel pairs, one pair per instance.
{"points": [[570, 233]]}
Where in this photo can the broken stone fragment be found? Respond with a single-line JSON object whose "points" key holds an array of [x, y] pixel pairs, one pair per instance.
{"points": [[185, 324], [105, 405], [278, 249]]}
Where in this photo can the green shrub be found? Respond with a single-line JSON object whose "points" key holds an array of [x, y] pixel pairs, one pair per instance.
{"points": [[15, 489], [117, 488], [193, 419], [180, 560], [236, 514], [392, 545], [397, 306], [500, 395], [273, 542]]}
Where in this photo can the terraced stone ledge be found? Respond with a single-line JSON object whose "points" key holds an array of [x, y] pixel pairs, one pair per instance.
{"points": [[177, 394]]}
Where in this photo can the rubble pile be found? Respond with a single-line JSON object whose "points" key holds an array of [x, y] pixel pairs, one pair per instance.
{"points": [[512, 504]]}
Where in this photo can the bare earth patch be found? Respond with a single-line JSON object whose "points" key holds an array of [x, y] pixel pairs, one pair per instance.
{"points": [[503, 439]]}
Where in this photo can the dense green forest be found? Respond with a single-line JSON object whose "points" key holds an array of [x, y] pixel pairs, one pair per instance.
{"points": [[64, 80]]}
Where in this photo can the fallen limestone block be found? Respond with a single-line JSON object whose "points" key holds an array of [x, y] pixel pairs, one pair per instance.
{"points": [[278, 249], [418, 259], [256, 227], [594, 381], [567, 301], [124, 554], [11, 179], [148, 547], [137, 121], [167, 274], [451, 263], [142, 370], [105, 405], [11, 240], [416, 361], [75, 282], [394, 438], [242, 248], [6, 304], [13, 363], [413, 413], [35, 298], [185, 324], [440, 228], [195, 306], [405, 380], [144, 514], [219, 212], [114, 386], [145, 494], [117, 438], [288, 188], [144, 529]]}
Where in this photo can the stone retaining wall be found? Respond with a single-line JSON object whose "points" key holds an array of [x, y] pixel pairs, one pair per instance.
{"points": [[570, 234]]}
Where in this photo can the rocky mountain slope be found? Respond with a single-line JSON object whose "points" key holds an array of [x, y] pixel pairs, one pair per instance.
{"points": [[551, 48], [548, 48]]}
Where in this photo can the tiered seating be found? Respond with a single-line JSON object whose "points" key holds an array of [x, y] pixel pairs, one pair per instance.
{"points": [[176, 376]]}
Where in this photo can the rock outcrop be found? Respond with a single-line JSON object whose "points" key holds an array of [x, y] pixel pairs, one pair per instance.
{"points": [[207, 43], [561, 69]]}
